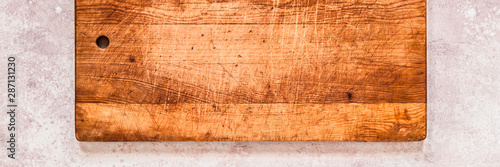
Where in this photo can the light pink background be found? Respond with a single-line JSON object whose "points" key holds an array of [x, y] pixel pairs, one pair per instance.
{"points": [[463, 100]]}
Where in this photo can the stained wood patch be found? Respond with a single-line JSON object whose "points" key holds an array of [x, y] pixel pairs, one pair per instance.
{"points": [[255, 70]]}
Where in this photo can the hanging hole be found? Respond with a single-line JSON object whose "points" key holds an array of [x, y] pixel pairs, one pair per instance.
{"points": [[102, 42]]}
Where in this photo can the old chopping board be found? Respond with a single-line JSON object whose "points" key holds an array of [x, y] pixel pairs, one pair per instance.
{"points": [[250, 70]]}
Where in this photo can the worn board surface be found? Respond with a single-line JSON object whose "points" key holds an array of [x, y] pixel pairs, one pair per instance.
{"points": [[254, 70]]}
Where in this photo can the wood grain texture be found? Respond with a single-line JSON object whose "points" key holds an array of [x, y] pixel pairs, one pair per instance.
{"points": [[250, 122], [255, 70]]}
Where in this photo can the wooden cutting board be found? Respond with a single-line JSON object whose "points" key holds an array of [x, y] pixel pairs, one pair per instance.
{"points": [[251, 70]]}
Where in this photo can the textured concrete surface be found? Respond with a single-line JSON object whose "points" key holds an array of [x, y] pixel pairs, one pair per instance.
{"points": [[463, 100]]}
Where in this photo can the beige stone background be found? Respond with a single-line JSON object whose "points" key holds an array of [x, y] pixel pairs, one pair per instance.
{"points": [[463, 101]]}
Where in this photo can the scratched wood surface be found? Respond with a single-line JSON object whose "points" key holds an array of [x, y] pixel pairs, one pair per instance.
{"points": [[251, 70]]}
